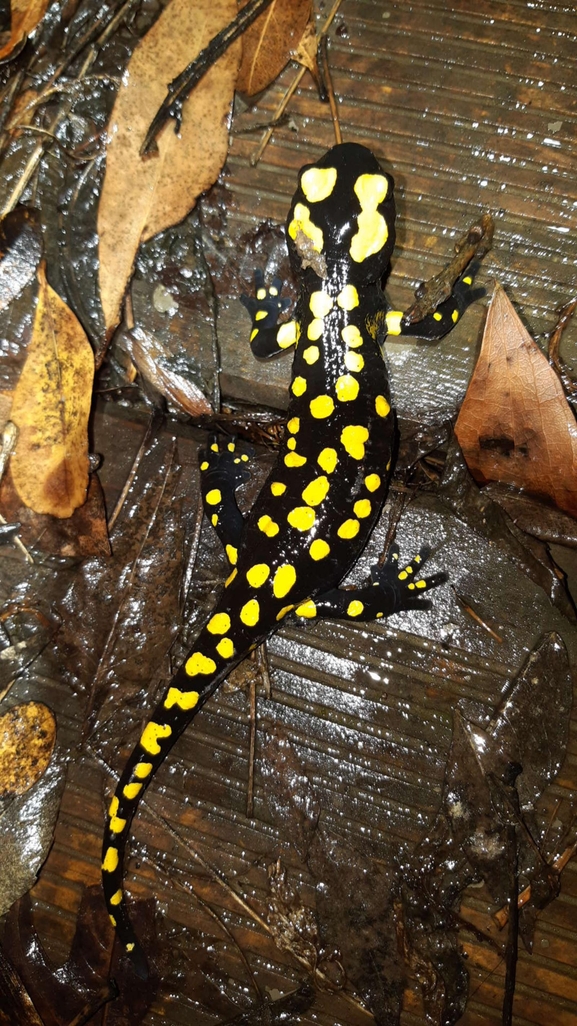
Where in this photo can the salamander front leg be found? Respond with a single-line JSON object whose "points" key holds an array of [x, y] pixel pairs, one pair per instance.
{"points": [[395, 587], [223, 468], [267, 337]]}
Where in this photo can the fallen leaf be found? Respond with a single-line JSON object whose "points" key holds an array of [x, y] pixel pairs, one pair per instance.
{"points": [[20, 252], [267, 43], [50, 408], [26, 15], [27, 736], [143, 196], [515, 425], [152, 360]]}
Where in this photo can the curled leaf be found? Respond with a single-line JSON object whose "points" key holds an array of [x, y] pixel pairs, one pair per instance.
{"points": [[267, 44], [143, 196], [50, 408], [152, 361], [515, 425], [27, 736]]}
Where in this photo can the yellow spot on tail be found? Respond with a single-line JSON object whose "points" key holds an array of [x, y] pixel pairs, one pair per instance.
{"points": [[116, 898], [214, 497], [319, 549], [301, 518], [293, 425], [347, 388], [372, 228], [301, 222], [315, 329], [348, 298], [130, 946], [327, 460], [151, 735], [437, 316], [299, 386], [317, 183], [352, 336], [185, 700], [110, 863], [232, 554], [284, 579], [349, 529], [372, 482], [353, 438], [455, 316], [225, 648], [116, 824], [311, 354], [266, 524], [142, 770], [199, 663], [382, 406], [114, 806], [287, 334], [320, 303], [257, 574], [219, 623], [316, 491], [354, 362], [355, 608], [362, 508], [250, 612], [230, 578], [307, 609], [112, 920], [322, 406], [393, 319], [292, 459], [283, 612], [278, 488], [214, 519]]}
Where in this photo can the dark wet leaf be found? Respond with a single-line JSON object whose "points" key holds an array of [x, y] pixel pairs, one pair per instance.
{"points": [[27, 631], [284, 1010], [20, 252]]}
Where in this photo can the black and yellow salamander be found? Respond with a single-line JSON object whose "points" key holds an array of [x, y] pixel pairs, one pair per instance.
{"points": [[324, 494]]}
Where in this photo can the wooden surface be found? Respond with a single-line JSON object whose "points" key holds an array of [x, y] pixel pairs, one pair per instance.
{"points": [[470, 108]]}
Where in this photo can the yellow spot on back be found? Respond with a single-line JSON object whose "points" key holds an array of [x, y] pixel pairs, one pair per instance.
{"points": [[253, 334], [225, 648], [319, 549], [320, 303], [114, 805], [322, 406], [230, 578], [299, 386], [142, 770], [214, 497], [283, 612], [232, 554], [131, 791], [183, 699], [316, 491], [355, 608], [301, 518], [267, 525], [352, 336], [204, 465], [257, 574], [354, 362], [110, 862], [293, 425], [112, 920], [372, 231], [130, 946], [292, 443], [372, 482], [311, 354], [307, 609], [301, 222], [151, 735], [219, 623], [116, 898], [292, 459], [382, 406], [362, 508], [250, 612], [348, 298], [284, 579], [278, 488], [393, 319], [315, 329], [199, 663], [349, 529], [317, 183], [287, 334], [327, 459], [214, 519], [347, 388], [353, 438]]}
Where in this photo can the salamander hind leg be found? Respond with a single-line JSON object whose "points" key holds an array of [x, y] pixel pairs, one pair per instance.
{"points": [[439, 323], [223, 468]]}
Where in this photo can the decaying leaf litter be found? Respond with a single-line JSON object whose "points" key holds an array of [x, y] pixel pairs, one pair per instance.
{"points": [[107, 680]]}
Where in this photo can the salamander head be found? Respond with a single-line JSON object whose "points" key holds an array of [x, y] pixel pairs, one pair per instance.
{"points": [[342, 217]]}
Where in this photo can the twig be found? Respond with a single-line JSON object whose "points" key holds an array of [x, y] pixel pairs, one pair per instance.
{"points": [[323, 52], [558, 864], [475, 616]]}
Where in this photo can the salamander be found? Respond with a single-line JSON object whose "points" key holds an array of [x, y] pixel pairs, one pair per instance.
{"points": [[324, 494]]}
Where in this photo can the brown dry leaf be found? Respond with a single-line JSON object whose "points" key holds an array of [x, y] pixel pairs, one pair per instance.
{"points": [[141, 197], [26, 14], [27, 736], [267, 43], [515, 425], [152, 360], [306, 51], [50, 408]]}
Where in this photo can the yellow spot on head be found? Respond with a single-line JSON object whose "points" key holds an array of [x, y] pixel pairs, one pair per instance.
{"points": [[230, 578], [322, 406], [185, 700], [317, 183], [292, 459], [301, 518], [327, 460], [278, 488], [267, 525], [316, 491], [347, 388], [372, 482], [131, 791], [214, 497], [320, 303], [142, 770], [287, 334], [319, 549], [353, 438], [372, 231], [354, 362], [250, 612], [348, 298], [311, 354], [307, 609], [219, 623], [199, 663], [152, 733], [352, 336], [382, 406], [225, 648], [362, 508], [116, 898], [349, 529], [257, 574], [299, 386], [283, 612], [284, 580], [110, 862], [355, 608], [394, 318], [315, 329], [232, 554], [293, 425], [301, 222]]}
